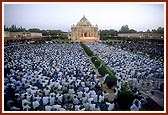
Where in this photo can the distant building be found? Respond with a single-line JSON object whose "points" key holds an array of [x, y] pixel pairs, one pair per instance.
{"points": [[36, 34], [21, 34], [6, 34], [64, 35], [84, 31], [18, 36], [141, 35]]}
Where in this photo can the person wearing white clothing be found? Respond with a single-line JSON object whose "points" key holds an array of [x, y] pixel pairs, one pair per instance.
{"points": [[26, 107], [62, 109], [110, 106], [90, 100], [92, 106], [84, 99], [87, 94], [94, 97], [86, 105], [135, 106], [56, 107], [75, 100], [105, 95], [101, 98], [52, 100], [80, 93], [71, 91], [77, 107], [48, 108], [35, 104], [45, 100], [13, 108], [25, 101], [92, 92], [86, 89], [60, 98], [47, 91]]}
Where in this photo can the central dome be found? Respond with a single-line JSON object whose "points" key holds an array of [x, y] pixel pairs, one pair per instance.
{"points": [[83, 22]]}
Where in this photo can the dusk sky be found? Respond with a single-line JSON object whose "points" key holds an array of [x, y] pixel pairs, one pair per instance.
{"points": [[138, 16]]}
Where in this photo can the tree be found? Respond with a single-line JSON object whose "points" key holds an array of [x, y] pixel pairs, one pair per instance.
{"points": [[154, 31], [87, 49], [34, 30], [132, 31], [102, 70], [110, 81], [6, 28], [160, 30], [148, 31], [106, 34], [14, 28], [124, 29], [125, 99]]}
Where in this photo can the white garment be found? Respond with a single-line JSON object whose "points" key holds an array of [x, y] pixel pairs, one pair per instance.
{"points": [[135, 108], [47, 92], [90, 100], [25, 101], [80, 94], [48, 108], [110, 106], [75, 101], [92, 107], [52, 100], [101, 98], [35, 104], [94, 97], [26, 108], [45, 100], [56, 107]]}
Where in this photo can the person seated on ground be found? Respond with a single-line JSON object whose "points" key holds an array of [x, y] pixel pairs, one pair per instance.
{"points": [[92, 106], [136, 106], [48, 107], [25, 102], [14, 108], [101, 98], [110, 106], [143, 101], [76, 100], [105, 95], [35, 105], [45, 100], [26, 107]]}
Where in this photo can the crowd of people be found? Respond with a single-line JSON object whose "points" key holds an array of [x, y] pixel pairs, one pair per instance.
{"points": [[51, 77], [60, 77], [128, 66], [153, 49], [134, 65], [131, 69]]}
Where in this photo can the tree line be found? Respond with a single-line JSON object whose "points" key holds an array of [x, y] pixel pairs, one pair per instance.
{"points": [[14, 28], [126, 29], [103, 33]]}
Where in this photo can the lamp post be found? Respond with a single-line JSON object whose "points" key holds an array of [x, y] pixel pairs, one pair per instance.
{"points": [[57, 35]]}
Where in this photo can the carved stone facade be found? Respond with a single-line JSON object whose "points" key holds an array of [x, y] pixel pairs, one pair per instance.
{"points": [[84, 31]]}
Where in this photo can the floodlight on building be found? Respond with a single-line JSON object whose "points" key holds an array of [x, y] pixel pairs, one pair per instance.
{"points": [[161, 36]]}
